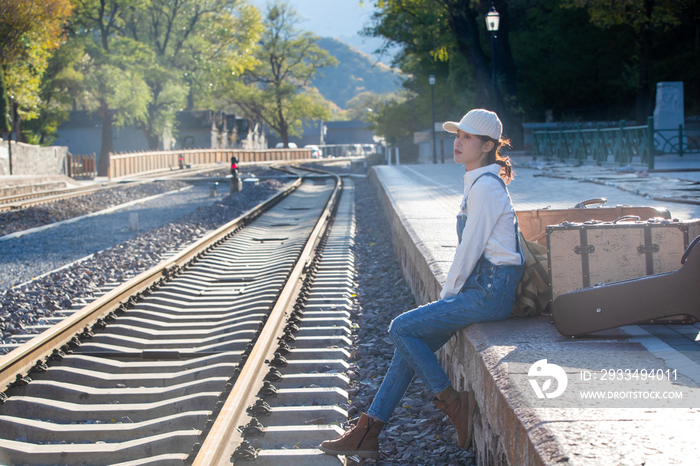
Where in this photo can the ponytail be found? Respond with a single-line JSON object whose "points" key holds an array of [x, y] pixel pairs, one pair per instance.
{"points": [[495, 156]]}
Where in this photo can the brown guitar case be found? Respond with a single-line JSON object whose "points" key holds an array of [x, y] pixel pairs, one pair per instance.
{"points": [[632, 301]]}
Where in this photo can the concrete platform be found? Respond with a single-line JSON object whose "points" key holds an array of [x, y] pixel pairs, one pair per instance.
{"points": [[600, 417], [28, 184]]}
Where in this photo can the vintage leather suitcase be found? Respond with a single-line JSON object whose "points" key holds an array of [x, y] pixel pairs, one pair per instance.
{"points": [[533, 223], [582, 255], [647, 299]]}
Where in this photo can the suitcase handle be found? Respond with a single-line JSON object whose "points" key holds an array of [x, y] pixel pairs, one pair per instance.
{"points": [[627, 217], [688, 249], [597, 200]]}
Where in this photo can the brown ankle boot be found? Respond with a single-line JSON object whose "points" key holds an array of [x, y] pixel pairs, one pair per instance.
{"points": [[459, 408], [361, 440]]}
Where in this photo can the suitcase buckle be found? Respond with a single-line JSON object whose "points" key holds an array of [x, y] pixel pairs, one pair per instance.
{"points": [[645, 249], [589, 249]]}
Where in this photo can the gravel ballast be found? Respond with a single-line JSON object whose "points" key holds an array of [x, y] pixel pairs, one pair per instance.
{"points": [[56, 211], [117, 253], [418, 433]]}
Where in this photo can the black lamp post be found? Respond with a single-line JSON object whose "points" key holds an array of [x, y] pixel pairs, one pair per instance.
{"points": [[431, 80], [492, 22]]}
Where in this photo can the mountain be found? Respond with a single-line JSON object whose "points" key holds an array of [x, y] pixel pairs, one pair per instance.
{"points": [[356, 72]]}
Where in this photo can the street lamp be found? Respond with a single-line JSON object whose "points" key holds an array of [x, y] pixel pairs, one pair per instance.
{"points": [[492, 21], [431, 80]]}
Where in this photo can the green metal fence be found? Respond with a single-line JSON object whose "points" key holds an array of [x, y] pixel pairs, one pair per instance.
{"points": [[677, 141], [622, 145]]}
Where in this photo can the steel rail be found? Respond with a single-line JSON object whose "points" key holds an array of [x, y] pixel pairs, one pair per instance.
{"points": [[18, 362], [16, 202], [218, 440]]}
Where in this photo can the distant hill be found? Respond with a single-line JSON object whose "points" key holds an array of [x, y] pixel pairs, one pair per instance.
{"points": [[356, 72]]}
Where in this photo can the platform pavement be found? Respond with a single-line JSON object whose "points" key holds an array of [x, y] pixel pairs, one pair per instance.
{"points": [[513, 426]]}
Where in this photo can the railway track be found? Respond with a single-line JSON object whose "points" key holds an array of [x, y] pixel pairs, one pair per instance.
{"points": [[233, 349], [22, 201]]}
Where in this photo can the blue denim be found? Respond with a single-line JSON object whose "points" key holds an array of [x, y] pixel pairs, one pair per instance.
{"points": [[487, 295]]}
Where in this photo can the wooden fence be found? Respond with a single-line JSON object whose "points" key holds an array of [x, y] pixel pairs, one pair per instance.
{"points": [[81, 166], [145, 162]]}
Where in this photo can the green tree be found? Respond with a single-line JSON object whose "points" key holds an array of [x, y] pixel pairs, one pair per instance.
{"points": [[366, 105], [567, 68], [196, 44], [61, 87], [113, 67], [277, 89], [29, 31], [646, 19], [447, 38]]}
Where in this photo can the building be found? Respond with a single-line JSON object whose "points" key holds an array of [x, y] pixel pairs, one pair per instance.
{"points": [[82, 133], [329, 132]]}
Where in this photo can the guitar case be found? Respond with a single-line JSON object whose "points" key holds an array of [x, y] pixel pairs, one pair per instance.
{"points": [[639, 300]]}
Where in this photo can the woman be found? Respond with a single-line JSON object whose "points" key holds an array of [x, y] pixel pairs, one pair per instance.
{"points": [[480, 287]]}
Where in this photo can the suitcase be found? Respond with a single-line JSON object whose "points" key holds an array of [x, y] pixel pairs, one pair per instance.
{"points": [[647, 299], [582, 255], [533, 223]]}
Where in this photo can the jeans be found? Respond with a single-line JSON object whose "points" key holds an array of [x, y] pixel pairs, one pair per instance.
{"points": [[487, 295]]}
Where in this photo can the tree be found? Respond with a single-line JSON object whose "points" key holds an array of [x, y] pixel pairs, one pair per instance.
{"points": [[365, 105], [277, 89], [29, 31], [61, 87], [113, 67], [4, 106], [567, 68], [145, 60], [195, 44], [452, 32], [646, 18]]}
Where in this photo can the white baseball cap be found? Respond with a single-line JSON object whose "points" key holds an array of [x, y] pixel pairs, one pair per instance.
{"points": [[480, 122]]}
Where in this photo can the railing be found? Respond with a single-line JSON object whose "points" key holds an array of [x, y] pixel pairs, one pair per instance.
{"points": [[145, 162], [680, 141], [81, 166], [623, 145], [347, 150]]}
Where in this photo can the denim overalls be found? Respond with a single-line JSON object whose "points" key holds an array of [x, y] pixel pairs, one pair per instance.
{"points": [[487, 295]]}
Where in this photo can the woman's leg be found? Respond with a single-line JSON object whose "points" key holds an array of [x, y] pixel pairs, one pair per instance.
{"points": [[417, 334], [432, 337], [486, 296], [396, 382]]}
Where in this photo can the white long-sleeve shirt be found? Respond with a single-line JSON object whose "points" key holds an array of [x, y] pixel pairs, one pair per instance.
{"points": [[489, 228]]}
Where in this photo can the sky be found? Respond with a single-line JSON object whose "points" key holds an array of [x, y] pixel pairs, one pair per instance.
{"points": [[342, 19]]}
